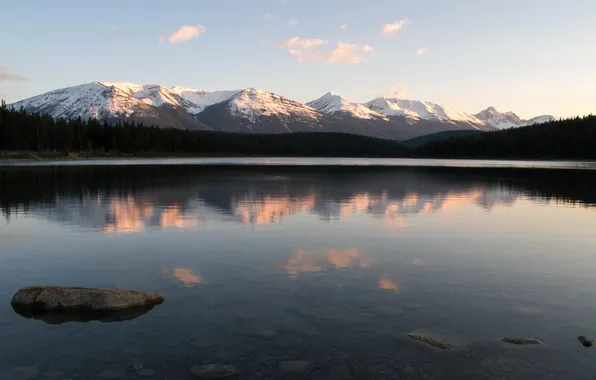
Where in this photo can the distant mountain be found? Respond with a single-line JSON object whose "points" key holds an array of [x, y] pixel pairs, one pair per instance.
{"points": [[108, 101], [417, 110], [504, 120], [252, 110], [333, 104]]}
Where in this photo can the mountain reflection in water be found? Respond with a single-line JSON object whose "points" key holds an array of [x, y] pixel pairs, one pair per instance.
{"points": [[129, 200], [327, 268]]}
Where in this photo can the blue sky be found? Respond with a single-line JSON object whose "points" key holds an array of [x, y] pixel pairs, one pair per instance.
{"points": [[529, 56]]}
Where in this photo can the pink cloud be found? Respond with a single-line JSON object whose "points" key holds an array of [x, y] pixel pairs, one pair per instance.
{"points": [[6, 75], [392, 28], [298, 42], [184, 34], [343, 53], [421, 51]]}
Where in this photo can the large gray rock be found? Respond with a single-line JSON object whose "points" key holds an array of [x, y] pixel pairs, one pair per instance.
{"points": [[44, 299], [214, 371]]}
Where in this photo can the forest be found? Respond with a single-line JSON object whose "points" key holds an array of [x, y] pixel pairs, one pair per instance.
{"points": [[21, 131], [573, 138]]}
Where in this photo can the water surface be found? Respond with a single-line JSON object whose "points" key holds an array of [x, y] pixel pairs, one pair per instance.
{"points": [[332, 266]]}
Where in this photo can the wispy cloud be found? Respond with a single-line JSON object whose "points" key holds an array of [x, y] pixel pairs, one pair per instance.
{"points": [[7, 75], [184, 34], [284, 2], [421, 51], [391, 29], [343, 53], [298, 42], [343, 27], [395, 90], [293, 22], [268, 16], [114, 28]]}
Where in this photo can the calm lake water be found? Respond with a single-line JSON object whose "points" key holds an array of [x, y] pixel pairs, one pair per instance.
{"points": [[328, 267]]}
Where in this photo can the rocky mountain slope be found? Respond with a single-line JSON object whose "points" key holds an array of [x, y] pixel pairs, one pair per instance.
{"points": [[252, 110], [504, 120]]}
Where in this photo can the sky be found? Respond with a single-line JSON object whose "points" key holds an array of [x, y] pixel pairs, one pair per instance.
{"points": [[532, 57]]}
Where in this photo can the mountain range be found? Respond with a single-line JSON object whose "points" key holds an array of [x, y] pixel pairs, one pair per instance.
{"points": [[255, 111]]}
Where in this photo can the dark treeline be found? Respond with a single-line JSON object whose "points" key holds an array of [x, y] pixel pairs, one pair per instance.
{"points": [[564, 139], [23, 131]]}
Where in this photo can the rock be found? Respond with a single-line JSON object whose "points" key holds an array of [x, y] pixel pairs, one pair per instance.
{"points": [[268, 333], [432, 341], [340, 373], [587, 342], [20, 373], [110, 374], [147, 372], [294, 365], [48, 298], [57, 304], [54, 374], [214, 371], [136, 366], [521, 341]]}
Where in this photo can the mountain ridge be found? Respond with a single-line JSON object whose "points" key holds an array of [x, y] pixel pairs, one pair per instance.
{"points": [[503, 120], [250, 110]]}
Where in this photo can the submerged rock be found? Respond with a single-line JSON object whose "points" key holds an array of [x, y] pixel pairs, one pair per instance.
{"points": [[294, 365], [214, 371], [432, 341], [586, 342], [147, 372], [521, 341], [20, 373], [59, 304], [110, 374]]}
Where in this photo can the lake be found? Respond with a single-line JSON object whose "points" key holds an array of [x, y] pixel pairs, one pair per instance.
{"points": [[311, 271]]}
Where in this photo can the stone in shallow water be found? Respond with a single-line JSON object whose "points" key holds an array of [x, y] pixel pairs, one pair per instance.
{"points": [[213, 371], [54, 374], [268, 333], [58, 304], [585, 341], [110, 374], [20, 373], [147, 372], [432, 341], [521, 341], [48, 298], [294, 365]]}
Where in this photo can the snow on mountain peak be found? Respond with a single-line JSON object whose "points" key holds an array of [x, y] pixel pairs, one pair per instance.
{"points": [[503, 120], [415, 110], [331, 103], [252, 103], [199, 99]]}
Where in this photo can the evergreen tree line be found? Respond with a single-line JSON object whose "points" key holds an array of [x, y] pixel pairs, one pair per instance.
{"points": [[24, 131], [573, 138]]}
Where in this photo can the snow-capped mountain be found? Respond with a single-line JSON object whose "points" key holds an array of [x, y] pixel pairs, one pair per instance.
{"points": [[333, 104], [504, 120], [255, 111], [417, 110], [200, 99], [151, 104]]}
